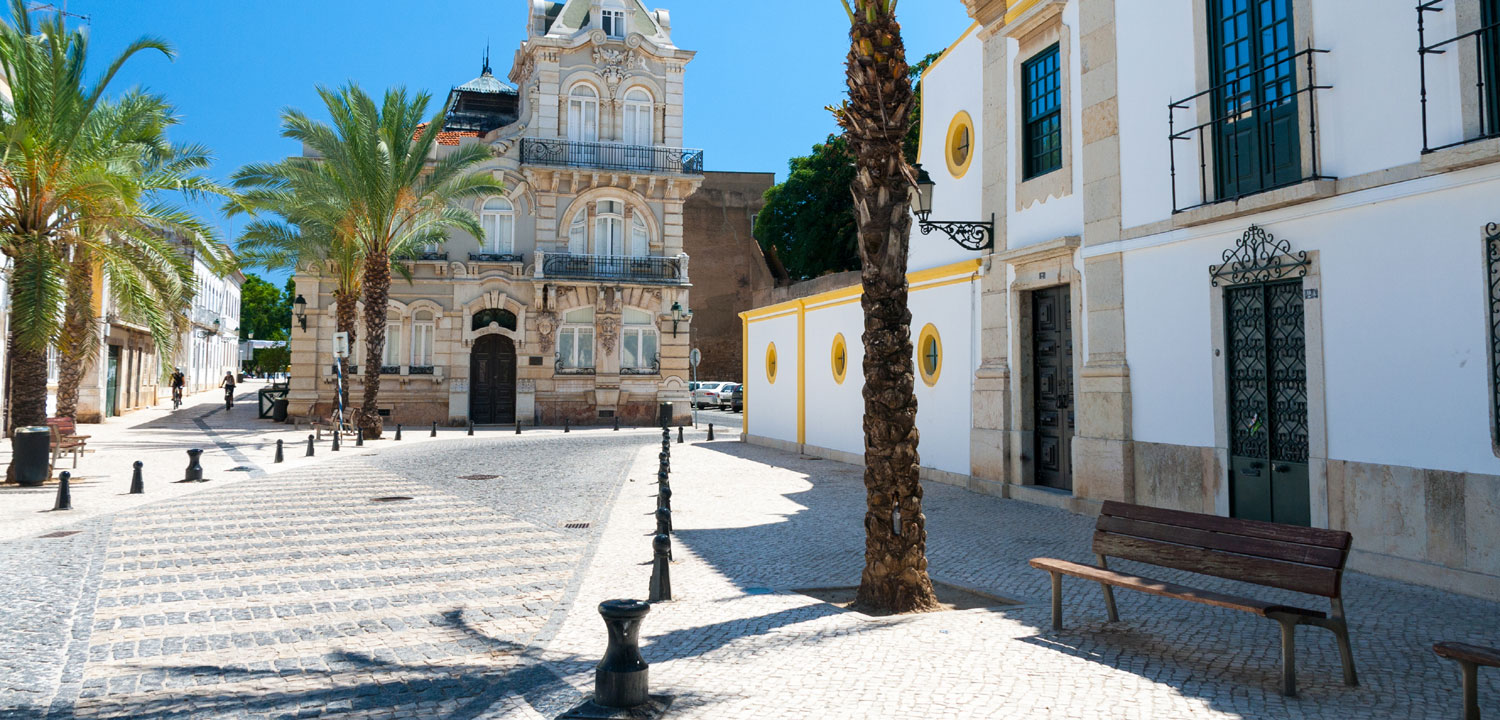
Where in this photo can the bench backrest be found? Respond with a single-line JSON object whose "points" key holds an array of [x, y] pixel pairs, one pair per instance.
{"points": [[1309, 560], [64, 425]]}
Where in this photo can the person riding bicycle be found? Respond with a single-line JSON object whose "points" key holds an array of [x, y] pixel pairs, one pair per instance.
{"points": [[179, 381], [228, 385]]}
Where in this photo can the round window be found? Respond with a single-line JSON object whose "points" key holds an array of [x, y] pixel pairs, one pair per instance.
{"points": [[771, 363], [960, 145], [930, 355], [840, 358]]}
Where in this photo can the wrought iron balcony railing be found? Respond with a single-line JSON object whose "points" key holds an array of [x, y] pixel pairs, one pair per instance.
{"points": [[652, 369], [1485, 59], [611, 156], [495, 257], [1252, 140], [656, 270]]}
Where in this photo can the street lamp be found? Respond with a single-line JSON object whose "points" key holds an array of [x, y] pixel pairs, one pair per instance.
{"points": [[679, 314], [301, 305], [978, 235]]}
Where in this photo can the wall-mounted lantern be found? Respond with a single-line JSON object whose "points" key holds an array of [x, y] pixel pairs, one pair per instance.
{"points": [[301, 309], [680, 314], [977, 235]]}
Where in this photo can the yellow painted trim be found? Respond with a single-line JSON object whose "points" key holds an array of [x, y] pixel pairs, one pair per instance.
{"points": [[771, 363], [772, 317], [960, 267], [845, 301], [944, 283], [846, 295], [801, 371], [745, 371], [930, 332], [961, 122], [839, 353], [922, 129], [1019, 9]]}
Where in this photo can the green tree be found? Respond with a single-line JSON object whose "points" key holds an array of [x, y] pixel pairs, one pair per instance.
{"points": [[808, 221], [79, 192], [397, 191], [875, 121], [265, 311]]}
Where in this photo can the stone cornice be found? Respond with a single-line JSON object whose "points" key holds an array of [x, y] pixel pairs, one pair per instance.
{"points": [[986, 12]]}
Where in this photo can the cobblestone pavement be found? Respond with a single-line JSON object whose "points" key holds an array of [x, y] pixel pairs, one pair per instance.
{"points": [[753, 524], [296, 595]]}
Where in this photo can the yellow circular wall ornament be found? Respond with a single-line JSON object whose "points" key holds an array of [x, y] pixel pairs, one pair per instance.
{"points": [[959, 148], [930, 355], [840, 358], [771, 363]]}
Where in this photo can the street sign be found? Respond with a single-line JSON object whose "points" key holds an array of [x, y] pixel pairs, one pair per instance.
{"points": [[341, 345], [694, 357]]}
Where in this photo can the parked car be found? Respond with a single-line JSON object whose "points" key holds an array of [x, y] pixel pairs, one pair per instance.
{"points": [[737, 399], [726, 395], [707, 394]]}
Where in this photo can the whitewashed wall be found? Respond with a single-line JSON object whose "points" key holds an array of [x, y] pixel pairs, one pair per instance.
{"points": [[1155, 57], [1053, 217], [944, 410], [949, 87], [835, 411], [772, 407]]}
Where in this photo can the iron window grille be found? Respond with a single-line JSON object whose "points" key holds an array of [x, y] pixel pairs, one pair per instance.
{"points": [[1486, 59], [1492, 255], [611, 156], [560, 367], [653, 369], [612, 267], [495, 257], [433, 256], [422, 370], [1041, 99], [390, 369]]}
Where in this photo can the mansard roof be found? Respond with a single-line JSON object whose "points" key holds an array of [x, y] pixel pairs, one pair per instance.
{"points": [[565, 18]]}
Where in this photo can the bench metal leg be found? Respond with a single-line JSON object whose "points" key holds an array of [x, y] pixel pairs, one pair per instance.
{"points": [[1288, 655], [1109, 594], [1057, 601], [1346, 653], [1470, 673]]}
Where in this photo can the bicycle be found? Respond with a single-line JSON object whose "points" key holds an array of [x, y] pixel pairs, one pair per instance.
{"points": [[229, 397], [176, 398]]}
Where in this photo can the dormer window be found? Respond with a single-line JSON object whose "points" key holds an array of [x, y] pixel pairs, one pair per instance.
{"points": [[612, 19]]}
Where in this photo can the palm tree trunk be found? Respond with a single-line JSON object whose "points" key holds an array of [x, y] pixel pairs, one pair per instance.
{"points": [[346, 320], [74, 349], [28, 370], [875, 122], [377, 287]]}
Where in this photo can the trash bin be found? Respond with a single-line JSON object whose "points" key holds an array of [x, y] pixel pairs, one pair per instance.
{"points": [[278, 410], [32, 448]]}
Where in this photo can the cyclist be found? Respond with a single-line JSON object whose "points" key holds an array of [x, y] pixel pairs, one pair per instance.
{"points": [[228, 385], [179, 381]]}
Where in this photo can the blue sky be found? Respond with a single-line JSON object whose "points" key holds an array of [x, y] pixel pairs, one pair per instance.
{"points": [[755, 93]]}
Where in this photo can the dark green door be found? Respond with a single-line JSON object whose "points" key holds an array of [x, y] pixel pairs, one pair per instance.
{"points": [[112, 382], [1267, 385], [1052, 389], [1256, 141]]}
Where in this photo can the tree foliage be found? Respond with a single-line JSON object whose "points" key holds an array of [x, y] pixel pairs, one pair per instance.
{"points": [[265, 310]]}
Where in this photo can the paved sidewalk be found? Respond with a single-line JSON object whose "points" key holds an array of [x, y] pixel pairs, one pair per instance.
{"points": [[753, 524]]}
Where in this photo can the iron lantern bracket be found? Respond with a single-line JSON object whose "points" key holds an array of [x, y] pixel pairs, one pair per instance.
{"points": [[969, 235]]}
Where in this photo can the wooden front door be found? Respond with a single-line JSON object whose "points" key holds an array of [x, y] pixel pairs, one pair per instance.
{"points": [[492, 381], [1267, 384], [1052, 386]]}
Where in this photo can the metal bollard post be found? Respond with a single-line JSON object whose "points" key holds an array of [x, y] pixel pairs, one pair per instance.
{"points": [[665, 459], [710, 431], [518, 427], [398, 431], [471, 428], [336, 434], [359, 437], [137, 483], [194, 469], [663, 522], [617, 422], [620, 678], [434, 429], [661, 568], [567, 425], [309, 446], [661, 478], [280, 454], [64, 495], [664, 498], [679, 434]]}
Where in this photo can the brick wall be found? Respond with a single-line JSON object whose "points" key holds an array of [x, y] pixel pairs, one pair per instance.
{"points": [[727, 268]]}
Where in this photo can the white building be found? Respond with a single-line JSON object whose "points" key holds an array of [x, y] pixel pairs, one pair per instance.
{"points": [[1286, 311], [210, 346]]}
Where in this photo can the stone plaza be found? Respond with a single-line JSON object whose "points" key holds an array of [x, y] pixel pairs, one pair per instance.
{"points": [[292, 591]]}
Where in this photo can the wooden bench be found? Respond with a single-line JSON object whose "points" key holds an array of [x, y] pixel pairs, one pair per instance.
{"points": [[1306, 560], [1469, 658], [65, 439]]}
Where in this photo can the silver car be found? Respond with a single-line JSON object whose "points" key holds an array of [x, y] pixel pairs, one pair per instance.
{"points": [[712, 394]]}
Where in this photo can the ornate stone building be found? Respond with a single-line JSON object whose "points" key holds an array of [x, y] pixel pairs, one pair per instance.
{"points": [[575, 303]]}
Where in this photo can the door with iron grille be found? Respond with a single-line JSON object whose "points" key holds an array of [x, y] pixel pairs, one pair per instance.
{"points": [[1052, 389], [1267, 400], [492, 381], [1256, 138]]}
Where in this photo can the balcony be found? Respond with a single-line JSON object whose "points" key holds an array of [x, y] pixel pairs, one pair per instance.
{"points": [[1477, 63], [495, 257], [615, 268], [611, 156]]}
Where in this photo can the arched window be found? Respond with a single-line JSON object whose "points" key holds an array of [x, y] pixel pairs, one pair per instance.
{"points": [[639, 129], [640, 237], [498, 218], [583, 114], [390, 360], [638, 341], [423, 332], [575, 341], [578, 233], [609, 228], [503, 318]]}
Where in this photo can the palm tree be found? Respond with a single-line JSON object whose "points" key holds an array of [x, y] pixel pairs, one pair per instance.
{"points": [[62, 186], [875, 120], [381, 164]]}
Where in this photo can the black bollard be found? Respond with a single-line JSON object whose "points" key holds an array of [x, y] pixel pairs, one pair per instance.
{"points": [[280, 454], [64, 495], [710, 431], [663, 521], [471, 428], [434, 429], [620, 678], [679, 434], [194, 469], [309, 446], [398, 431], [137, 483], [567, 425], [661, 568], [336, 434], [518, 427], [617, 422], [359, 437], [664, 497]]}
